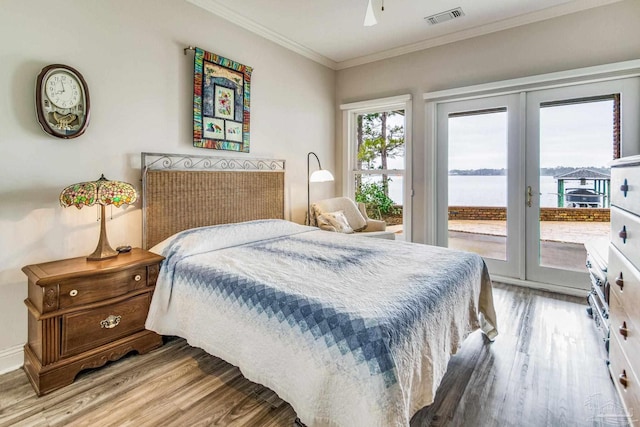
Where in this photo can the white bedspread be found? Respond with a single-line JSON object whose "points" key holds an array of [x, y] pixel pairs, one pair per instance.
{"points": [[350, 331]]}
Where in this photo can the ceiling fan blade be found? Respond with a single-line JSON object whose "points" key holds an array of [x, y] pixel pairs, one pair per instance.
{"points": [[370, 17]]}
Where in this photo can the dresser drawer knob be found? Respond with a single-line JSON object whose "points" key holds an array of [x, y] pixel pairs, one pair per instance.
{"points": [[619, 281], [623, 330], [137, 277], [110, 322], [623, 234], [624, 188], [73, 292], [623, 379]]}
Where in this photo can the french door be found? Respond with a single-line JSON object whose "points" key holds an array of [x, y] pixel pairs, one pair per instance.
{"points": [[523, 178], [478, 176], [578, 127]]}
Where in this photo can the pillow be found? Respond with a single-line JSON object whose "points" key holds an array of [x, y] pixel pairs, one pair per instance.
{"points": [[337, 220], [160, 247]]}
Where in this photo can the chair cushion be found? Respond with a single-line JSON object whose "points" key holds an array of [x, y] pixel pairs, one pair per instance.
{"points": [[355, 219], [336, 220]]}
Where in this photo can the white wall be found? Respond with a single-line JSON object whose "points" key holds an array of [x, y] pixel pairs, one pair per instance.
{"points": [[131, 54], [593, 37]]}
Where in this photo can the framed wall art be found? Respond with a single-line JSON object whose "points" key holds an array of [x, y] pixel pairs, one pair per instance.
{"points": [[221, 102]]}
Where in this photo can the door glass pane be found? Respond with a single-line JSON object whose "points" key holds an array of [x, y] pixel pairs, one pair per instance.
{"points": [[478, 182], [576, 145]]}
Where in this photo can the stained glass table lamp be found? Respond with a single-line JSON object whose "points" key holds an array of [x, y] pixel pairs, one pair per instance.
{"points": [[103, 192]]}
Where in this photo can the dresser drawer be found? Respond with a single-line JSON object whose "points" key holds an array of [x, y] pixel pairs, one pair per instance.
{"points": [[622, 372], [625, 325], [87, 329], [78, 291], [629, 176], [625, 234], [624, 281]]}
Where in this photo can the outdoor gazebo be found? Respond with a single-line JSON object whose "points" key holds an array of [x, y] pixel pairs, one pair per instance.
{"points": [[583, 194]]}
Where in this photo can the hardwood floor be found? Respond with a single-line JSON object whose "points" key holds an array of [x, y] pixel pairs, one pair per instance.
{"points": [[546, 368]]}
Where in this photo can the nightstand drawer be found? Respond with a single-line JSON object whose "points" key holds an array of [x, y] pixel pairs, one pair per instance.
{"points": [[88, 329], [78, 291]]}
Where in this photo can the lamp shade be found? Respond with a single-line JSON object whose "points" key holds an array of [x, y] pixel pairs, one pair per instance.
{"points": [[101, 192], [321, 175]]}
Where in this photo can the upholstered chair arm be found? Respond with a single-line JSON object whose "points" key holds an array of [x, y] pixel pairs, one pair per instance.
{"points": [[372, 224], [375, 225], [363, 210]]}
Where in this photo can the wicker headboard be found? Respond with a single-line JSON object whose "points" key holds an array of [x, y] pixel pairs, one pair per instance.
{"points": [[186, 191]]}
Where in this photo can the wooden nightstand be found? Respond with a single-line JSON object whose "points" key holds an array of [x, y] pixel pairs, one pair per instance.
{"points": [[83, 314]]}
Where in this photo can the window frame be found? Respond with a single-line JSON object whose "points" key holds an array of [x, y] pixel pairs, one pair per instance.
{"points": [[349, 171]]}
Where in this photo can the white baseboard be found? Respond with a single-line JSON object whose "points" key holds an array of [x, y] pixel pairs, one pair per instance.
{"points": [[11, 359], [565, 290]]}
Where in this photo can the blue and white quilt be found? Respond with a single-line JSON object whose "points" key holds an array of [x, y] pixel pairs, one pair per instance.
{"points": [[351, 331]]}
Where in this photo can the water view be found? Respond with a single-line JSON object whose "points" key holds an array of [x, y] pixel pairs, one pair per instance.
{"points": [[487, 190], [484, 190]]}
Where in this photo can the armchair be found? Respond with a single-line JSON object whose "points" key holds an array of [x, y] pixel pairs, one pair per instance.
{"points": [[325, 214]]}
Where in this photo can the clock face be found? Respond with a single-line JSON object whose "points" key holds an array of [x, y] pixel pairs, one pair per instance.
{"points": [[62, 101], [63, 89]]}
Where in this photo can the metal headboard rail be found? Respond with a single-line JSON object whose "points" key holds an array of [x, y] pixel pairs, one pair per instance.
{"points": [[164, 161]]}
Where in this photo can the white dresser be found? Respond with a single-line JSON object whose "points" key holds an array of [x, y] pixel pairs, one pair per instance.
{"points": [[624, 278]]}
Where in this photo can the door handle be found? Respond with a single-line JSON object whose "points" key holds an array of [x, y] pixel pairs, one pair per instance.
{"points": [[529, 196]]}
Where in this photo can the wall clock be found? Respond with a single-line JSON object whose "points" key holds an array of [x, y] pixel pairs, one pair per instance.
{"points": [[62, 101]]}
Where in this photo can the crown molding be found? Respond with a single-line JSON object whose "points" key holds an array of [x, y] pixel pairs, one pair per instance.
{"points": [[530, 18], [229, 15], [596, 73], [224, 12]]}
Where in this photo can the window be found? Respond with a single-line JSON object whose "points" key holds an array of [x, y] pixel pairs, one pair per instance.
{"points": [[376, 159]]}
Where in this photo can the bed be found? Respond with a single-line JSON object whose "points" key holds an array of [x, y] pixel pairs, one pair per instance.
{"points": [[349, 331]]}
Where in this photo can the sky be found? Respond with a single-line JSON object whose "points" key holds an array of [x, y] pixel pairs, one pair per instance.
{"points": [[577, 135]]}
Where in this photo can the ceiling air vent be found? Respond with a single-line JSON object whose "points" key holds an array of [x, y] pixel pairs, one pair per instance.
{"points": [[444, 16]]}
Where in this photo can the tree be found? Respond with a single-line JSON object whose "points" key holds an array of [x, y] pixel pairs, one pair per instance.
{"points": [[377, 142]]}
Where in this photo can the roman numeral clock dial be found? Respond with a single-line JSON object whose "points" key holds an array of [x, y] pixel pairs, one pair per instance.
{"points": [[62, 101]]}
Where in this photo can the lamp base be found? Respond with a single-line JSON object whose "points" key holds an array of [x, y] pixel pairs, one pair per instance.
{"points": [[103, 250]]}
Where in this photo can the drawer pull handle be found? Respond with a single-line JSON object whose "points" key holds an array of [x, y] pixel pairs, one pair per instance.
{"points": [[623, 234], [619, 281], [624, 188], [623, 330], [137, 277], [73, 292], [623, 379], [110, 322]]}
